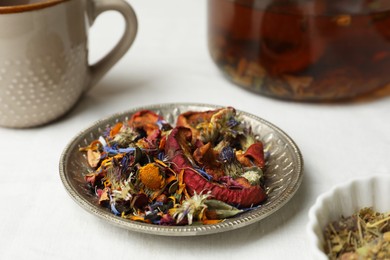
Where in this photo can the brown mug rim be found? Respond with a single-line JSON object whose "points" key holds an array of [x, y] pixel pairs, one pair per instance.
{"points": [[29, 7]]}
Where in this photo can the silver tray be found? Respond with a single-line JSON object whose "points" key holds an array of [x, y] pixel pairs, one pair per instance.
{"points": [[283, 173]]}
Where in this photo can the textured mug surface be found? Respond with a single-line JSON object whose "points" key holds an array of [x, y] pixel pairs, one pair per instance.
{"points": [[44, 58]]}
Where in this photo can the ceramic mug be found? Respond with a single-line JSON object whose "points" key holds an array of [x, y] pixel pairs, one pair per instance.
{"points": [[44, 66]]}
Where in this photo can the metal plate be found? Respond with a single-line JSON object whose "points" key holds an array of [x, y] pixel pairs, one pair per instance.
{"points": [[283, 173]]}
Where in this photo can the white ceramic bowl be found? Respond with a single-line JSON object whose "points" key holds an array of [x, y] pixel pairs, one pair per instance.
{"points": [[345, 200]]}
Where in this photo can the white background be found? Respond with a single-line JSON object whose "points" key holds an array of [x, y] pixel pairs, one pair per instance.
{"points": [[169, 62]]}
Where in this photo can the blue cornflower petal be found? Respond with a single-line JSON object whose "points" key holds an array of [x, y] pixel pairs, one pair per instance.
{"points": [[227, 154], [204, 174], [113, 209]]}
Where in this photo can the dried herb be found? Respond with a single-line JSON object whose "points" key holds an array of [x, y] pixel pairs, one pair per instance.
{"points": [[208, 168], [364, 235]]}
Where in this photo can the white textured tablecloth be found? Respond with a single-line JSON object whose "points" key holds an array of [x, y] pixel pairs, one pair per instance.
{"points": [[169, 62]]}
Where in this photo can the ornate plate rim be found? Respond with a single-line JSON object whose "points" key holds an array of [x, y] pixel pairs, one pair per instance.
{"points": [[227, 225]]}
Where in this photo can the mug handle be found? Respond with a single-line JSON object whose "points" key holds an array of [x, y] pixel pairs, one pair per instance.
{"points": [[95, 8]]}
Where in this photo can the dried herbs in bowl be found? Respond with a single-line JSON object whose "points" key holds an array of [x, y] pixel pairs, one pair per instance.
{"points": [[363, 235], [207, 168], [140, 170], [347, 222]]}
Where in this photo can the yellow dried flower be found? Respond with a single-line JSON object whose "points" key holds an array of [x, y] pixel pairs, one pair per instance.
{"points": [[151, 177]]}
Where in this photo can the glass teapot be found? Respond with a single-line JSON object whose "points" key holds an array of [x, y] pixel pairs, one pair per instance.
{"points": [[306, 50]]}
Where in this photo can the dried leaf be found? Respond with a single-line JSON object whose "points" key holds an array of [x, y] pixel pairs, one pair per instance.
{"points": [[93, 157]]}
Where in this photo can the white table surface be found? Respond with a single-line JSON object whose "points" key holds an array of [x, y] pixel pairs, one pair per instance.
{"points": [[169, 62]]}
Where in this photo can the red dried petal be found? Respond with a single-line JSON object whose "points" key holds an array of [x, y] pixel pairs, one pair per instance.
{"points": [[146, 120], [191, 119], [208, 159], [245, 197], [255, 152]]}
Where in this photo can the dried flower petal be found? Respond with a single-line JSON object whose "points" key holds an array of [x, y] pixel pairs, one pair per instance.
{"points": [[145, 120], [256, 153], [145, 170], [151, 177], [93, 157]]}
